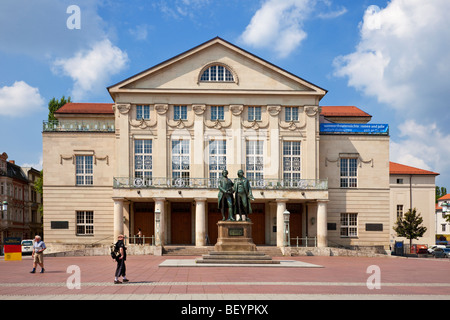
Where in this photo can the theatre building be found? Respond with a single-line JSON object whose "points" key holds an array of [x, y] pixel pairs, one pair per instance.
{"points": [[163, 143]]}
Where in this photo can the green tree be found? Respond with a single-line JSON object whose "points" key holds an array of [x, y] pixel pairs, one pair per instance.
{"points": [[54, 105], [410, 226], [440, 192], [38, 186]]}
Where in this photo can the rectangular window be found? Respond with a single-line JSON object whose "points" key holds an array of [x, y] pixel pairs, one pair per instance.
{"points": [[291, 161], [85, 223], [142, 112], [348, 172], [349, 225], [143, 158], [179, 112], [399, 211], [217, 113], [180, 159], [291, 114], [84, 170], [443, 227], [254, 160], [254, 113], [217, 160]]}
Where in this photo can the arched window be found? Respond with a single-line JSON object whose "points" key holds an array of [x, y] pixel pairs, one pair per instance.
{"points": [[217, 73]]}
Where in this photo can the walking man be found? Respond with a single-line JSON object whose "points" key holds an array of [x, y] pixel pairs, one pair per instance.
{"points": [[38, 253], [121, 268]]}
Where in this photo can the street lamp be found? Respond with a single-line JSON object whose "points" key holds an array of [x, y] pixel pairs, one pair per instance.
{"points": [[286, 216]]}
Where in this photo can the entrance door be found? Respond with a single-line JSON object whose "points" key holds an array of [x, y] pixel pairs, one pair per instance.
{"points": [[181, 222], [295, 222], [213, 217], [258, 220], [144, 218]]}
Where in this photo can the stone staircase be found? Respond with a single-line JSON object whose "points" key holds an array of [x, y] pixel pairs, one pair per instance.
{"points": [[237, 257], [180, 250]]}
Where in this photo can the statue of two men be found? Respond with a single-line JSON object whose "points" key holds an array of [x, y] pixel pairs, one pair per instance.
{"points": [[240, 206]]}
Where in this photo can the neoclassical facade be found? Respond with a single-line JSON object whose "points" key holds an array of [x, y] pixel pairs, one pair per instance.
{"points": [[172, 129]]}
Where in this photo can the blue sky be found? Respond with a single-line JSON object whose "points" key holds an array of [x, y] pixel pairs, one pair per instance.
{"points": [[389, 58]]}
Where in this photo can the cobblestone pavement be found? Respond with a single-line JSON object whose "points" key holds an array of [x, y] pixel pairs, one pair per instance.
{"points": [[354, 278]]}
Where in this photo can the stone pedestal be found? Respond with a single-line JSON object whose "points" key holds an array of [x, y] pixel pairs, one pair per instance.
{"points": [[234, 236]]}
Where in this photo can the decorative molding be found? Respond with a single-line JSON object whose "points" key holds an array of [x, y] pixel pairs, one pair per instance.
{"points": [[161, 108], [143, 124], [180, 124], [236, 109], [72, 157], [199, 109], [291, 125], [311, 111], [123, 108], [273, 110]]}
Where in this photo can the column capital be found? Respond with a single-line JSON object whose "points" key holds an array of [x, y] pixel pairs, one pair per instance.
{"points": [[200, 199], [159, 199], [281, 200]]}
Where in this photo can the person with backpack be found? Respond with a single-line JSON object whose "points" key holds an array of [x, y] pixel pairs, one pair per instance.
{"points": [[121, 258]]}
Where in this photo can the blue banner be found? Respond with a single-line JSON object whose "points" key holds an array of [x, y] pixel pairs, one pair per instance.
{"points": [[354, 128]]}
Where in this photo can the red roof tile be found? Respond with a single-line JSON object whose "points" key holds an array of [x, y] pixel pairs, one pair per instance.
{"points": [[446, 197], [343, 111], [396, 168], [86, 108]]}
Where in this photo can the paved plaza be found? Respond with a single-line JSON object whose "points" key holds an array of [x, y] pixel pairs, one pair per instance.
{"points": [[179, 278]]}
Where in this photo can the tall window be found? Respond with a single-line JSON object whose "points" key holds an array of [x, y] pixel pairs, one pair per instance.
{"points": [[217, 73], [85, 223], [254, 113], [291, 114], [254, 162], [142, 112], [143, 160], [84, 170], [180, 159], [217, 113], [349, 225], [217, 159], [179, 112], [291, 160], [349, 172], [399, 211]]}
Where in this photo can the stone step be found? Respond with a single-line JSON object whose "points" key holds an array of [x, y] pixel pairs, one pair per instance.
{"points": [[240, 261], [235, 257]]}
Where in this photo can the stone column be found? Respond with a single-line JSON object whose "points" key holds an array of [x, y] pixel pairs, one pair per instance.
{"points": [[322, 239], [160, 238], [118, 217], [281, 207], [200, 219]]}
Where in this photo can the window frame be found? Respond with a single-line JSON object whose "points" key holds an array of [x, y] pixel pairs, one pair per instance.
{"points": [[217, 73], [347, 179], [142, 112], [145, 153], [217, 160], [81, 176], [179, 157], [291, 114], [181, 110], [292, 155], [254, 156], [217, 113], [348, 221], [254, 113], [88, 227]]}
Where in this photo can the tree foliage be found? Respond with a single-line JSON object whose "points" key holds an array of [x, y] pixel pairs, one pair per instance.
{"points": [[410, 225], [440, 192], [54, 105]]}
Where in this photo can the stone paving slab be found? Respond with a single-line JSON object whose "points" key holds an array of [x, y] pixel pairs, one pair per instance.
{"points": [[193, 263]]}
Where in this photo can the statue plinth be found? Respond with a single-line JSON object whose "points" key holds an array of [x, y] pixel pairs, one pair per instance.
{"points": [[234, 236]]}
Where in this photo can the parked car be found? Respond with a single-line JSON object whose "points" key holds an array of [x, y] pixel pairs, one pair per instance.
{"points": [[27, 246], [441, 253], [432, 248]]}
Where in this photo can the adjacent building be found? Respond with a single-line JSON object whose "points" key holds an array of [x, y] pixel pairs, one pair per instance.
{"points": [[172, 129], [19, 202]]}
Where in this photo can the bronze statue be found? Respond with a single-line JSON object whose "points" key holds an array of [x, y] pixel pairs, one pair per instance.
{"points": [[243, 195], [225, 196]]}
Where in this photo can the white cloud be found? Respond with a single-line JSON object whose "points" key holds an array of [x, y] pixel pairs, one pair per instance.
{"points": [[91, 69], [278, 25], [423, 146], [403, 57], [20, 100]]}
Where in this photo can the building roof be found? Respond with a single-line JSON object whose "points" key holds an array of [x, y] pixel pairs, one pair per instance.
{"points": [[397, 168], [343, 111], [86, 108], [446, 197]]}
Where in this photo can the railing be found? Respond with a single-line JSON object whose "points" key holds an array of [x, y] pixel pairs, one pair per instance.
{"points": [[304, 242], [78, 126], [140, 240], [212, 183]]}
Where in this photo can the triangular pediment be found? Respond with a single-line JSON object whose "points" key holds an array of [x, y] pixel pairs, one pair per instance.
{"points": [[183, 72]]}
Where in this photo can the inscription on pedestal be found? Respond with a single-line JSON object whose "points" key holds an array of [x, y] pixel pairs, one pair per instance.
{"points": [[236, 232]]}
